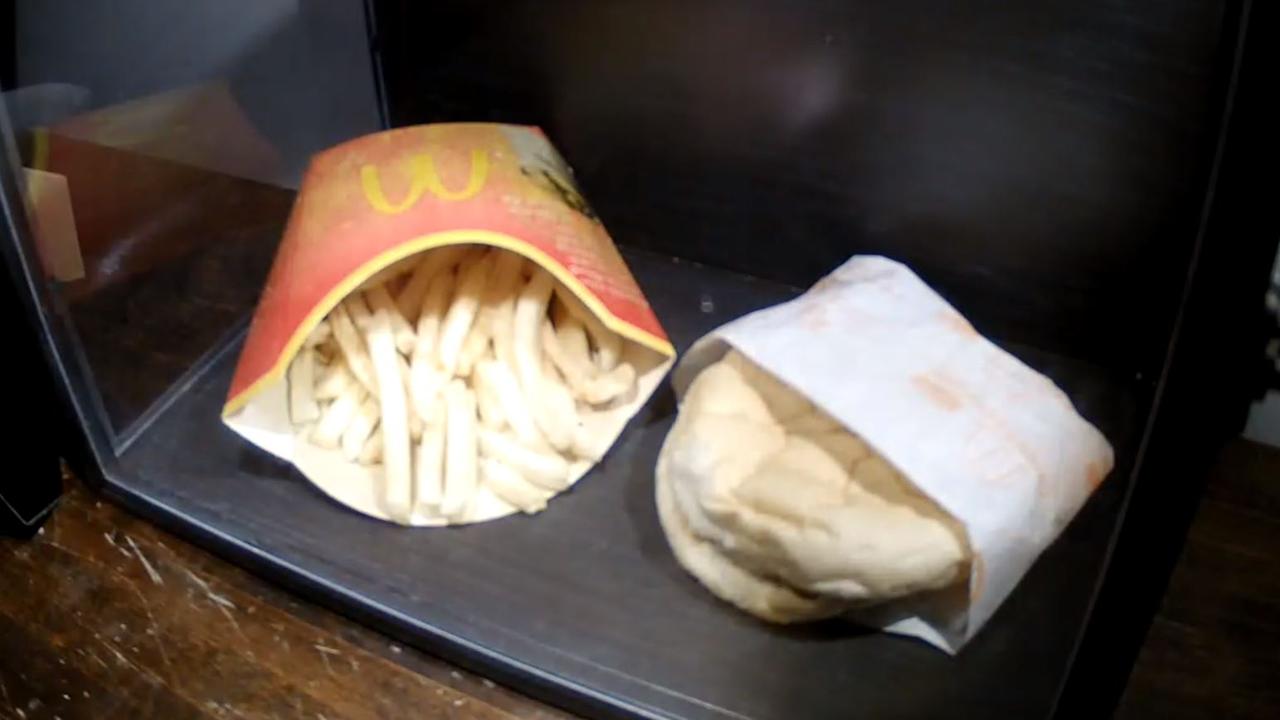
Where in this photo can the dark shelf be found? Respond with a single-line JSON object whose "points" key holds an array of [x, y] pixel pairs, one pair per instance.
{"points": [[584, 604]]}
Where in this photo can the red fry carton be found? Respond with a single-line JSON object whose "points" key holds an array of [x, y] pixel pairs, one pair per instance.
{"points": [[381, 198]]}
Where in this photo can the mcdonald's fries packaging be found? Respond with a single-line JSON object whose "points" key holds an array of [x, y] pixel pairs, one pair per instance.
{"points": [[448, 335]]}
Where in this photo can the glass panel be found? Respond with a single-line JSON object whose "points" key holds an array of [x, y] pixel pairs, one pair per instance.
{"points": [[175, 134]]}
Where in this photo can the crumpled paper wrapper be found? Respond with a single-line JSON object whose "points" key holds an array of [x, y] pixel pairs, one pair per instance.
{"points": [[992, 441], [379, 199]]}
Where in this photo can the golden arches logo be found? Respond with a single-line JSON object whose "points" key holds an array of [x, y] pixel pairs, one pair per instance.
{"points": [[425, 179]]}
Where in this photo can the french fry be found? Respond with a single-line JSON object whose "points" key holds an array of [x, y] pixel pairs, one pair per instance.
{"points": [[499, 381], [406, 379], [381, 300], [405, 372], [530, 307], [502, 321], [335, 418], [576, 368], [551, 403], [358, 309], [395, 420], [496, 310], [588, 385], [429, 466], [352, 346], [488, 403], [557, 414], [507, 484], [461, 314], [475, 347], [426, 384], [326, 353], [425, 379], [499, 291], [371, 453], [600, 388], [410, 297], [459, 449], [319, 335], [611, 384], [303, 407], [572, 337], [548, 471], [608, 344], [334, 380], [434, 305], [360, 428]]}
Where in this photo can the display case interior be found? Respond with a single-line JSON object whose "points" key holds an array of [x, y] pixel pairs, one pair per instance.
{"points": [[1046, 168]]}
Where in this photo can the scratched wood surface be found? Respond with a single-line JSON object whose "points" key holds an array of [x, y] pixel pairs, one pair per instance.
{"points": [[104, 616]]}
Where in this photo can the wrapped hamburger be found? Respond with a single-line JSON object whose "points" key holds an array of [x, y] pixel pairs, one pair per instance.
{"points": [[448, 335], [900, 469]]}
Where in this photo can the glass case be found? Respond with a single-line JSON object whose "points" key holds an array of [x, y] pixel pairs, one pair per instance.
{"points": [[1076, 177]]}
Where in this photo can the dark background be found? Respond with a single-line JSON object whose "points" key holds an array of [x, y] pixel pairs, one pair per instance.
{"points": [[1044, 164]]}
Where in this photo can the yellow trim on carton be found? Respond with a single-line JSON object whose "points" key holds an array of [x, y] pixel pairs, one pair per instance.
{"points": [[422, 244]]}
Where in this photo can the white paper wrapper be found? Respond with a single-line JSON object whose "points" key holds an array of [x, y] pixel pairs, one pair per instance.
{"points": [[993, 442]]}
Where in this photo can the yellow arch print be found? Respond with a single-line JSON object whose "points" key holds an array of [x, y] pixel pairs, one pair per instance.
{"points": [[425, 179]]}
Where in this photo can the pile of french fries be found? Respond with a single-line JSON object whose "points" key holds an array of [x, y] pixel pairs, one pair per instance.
{"points": [[461, 370]]}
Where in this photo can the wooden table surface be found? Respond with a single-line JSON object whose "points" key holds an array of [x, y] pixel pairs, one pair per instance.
{"points": [[104, 616], [1211, 651]]}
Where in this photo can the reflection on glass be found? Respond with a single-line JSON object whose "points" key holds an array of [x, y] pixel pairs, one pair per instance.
{"points": [[161, 144]]}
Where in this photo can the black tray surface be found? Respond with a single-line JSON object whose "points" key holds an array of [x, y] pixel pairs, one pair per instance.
{"points": [[584, 605]]}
